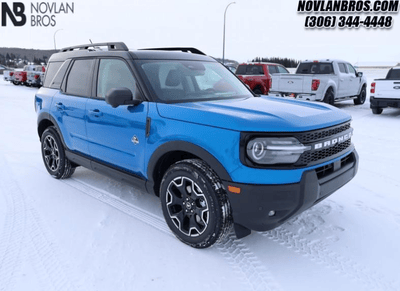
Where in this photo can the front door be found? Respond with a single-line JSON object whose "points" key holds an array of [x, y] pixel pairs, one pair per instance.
{"points": [[116, 135]]}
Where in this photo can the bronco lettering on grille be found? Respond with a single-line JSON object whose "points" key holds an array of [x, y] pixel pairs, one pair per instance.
{"points": [[333, 141]]}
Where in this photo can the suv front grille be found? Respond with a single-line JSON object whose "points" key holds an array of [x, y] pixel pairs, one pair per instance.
{"points": [[312, 136], [317, 155]]}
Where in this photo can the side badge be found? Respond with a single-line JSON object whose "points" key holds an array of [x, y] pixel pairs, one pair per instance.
{"points": [[135, 140]]}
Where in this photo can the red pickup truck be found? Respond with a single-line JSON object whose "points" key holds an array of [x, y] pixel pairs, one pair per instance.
{"points": [[258, 75], [30, 75]]}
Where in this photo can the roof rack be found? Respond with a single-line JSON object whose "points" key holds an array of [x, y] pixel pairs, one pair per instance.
{"points": [[182, 49], [112, 46]]}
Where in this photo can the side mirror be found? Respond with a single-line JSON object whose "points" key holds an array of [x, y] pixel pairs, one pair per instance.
{"points": [[121, 96], [359, 74]]}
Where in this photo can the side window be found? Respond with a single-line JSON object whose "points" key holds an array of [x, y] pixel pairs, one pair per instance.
{"points": [[282, 70], [273, 69], [342, 68], [351, 69], [52, 69], [79, 78], [114, 73], [57, 80]]}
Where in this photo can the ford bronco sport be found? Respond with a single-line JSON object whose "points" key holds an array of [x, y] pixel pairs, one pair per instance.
{"points": [[183, 127]]}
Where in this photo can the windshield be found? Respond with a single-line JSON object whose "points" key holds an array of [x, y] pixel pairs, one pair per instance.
{"points": [[315, 68], [181, 81]]}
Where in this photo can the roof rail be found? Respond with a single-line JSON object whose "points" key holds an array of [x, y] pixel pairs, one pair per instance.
{"points": [[112, 46], [182, 49]]}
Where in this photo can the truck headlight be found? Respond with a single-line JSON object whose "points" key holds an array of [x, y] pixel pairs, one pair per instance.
{"points": [[270, 151]]}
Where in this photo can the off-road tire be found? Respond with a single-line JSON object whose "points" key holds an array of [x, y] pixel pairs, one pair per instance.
{"points": [[329, 97], [361, 97], [192, 183], [53, 155], [377, 110]]}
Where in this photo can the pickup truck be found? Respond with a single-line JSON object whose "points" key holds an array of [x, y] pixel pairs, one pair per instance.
{"points": [[386, 92], [3, 68], [29, 76], [258, 75], [323, 80], [8, 75]]}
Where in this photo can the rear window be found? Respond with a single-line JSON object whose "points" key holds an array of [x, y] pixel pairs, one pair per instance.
{"points": [[57, 80], [79, 78], [393, 74], [250, 70], [52, 69], [315, 68]]}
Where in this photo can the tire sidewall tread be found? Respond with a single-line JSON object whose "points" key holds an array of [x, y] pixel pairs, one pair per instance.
{"points": [[219, 208], [65, 170]]}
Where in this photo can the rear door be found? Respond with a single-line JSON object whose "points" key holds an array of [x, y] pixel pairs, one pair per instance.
{"points": [[117, 136], [344, 80], [69, 104]]}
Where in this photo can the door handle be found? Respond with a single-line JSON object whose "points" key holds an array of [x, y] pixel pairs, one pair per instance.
{"points": [[342, 80], [60, 106], [96, 112]]}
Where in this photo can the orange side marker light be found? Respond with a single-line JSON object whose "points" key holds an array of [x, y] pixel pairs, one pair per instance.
{"points": [[235, 190]]}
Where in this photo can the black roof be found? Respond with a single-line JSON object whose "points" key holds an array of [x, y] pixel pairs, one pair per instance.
{"points": [[120, 50]]}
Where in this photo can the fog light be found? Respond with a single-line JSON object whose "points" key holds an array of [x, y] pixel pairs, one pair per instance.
{"points": [[271, 213]]}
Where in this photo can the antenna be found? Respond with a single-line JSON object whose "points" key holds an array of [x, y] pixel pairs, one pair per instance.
{"points": [[90, 41]]}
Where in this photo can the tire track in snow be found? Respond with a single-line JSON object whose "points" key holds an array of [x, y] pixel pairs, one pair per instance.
{"points": [[24, 228], [12, 237], [254, 274], [319, 253], [111, 200], [45, 258], [235, 252]]}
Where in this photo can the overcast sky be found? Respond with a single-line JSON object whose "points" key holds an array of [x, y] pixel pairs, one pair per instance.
{"points": [[264, 28]]}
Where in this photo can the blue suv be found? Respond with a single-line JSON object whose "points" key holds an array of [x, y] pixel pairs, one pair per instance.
{"points": [[178, 124]]}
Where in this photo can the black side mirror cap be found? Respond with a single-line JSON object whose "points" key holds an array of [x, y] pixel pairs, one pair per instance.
{"points": [[121, 96], [360, 74]]}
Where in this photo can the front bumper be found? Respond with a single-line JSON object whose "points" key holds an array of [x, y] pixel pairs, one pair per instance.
{"points": [[251, 208], [384, 102]]}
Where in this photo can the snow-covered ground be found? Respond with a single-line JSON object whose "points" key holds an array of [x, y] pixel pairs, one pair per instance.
{"points": [[93, 233]]}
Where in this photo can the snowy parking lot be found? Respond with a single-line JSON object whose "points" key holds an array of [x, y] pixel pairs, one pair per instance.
{"points": [[90, 232]]}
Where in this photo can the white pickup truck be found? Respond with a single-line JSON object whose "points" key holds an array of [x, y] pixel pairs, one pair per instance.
{"points": [[323, 80], [386, 92]]}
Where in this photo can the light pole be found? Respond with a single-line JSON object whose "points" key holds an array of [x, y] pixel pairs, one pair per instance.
{"points": [[223, 50], [54, 37]]}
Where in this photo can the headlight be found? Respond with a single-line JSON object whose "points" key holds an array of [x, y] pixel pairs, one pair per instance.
{"points": [[270, 151]]}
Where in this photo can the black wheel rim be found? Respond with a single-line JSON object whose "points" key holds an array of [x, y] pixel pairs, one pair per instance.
{"points": [[363, 96], [51, 153], [187, 206]]}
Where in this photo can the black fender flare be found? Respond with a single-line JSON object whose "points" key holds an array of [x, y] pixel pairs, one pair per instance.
{"points": [[183, 146], [47, 116]]}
